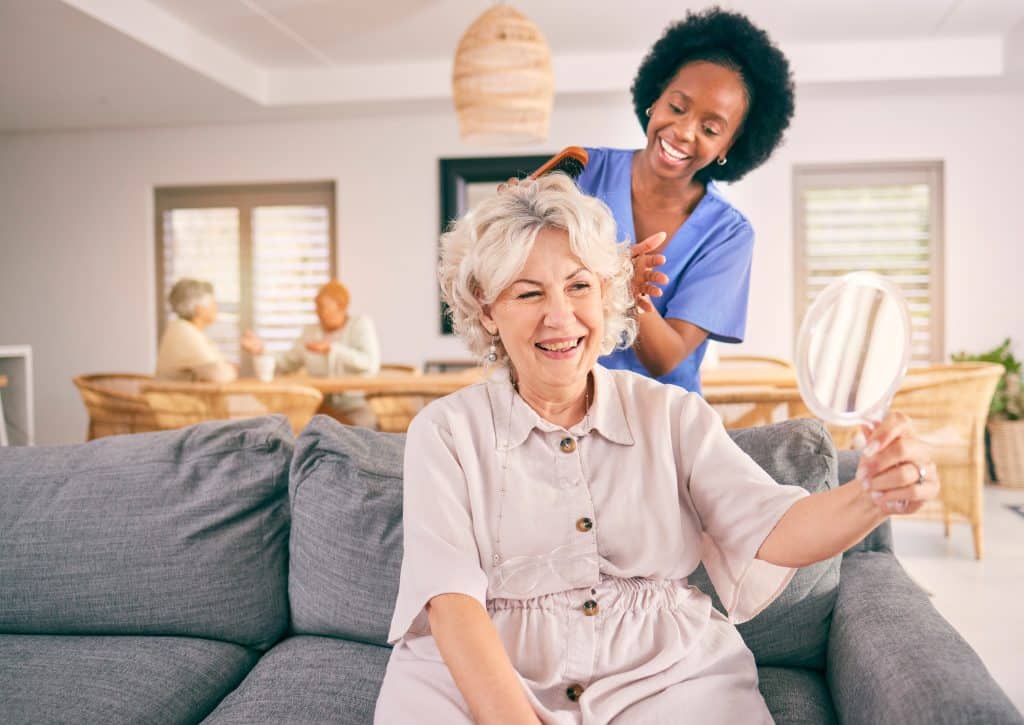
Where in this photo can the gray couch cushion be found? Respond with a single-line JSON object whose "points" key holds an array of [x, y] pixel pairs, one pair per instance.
{"points": [[893, 658], [346, 537], [793, 630], [57, 679], [175, 533], [346, 553], [881, 538], [309, 680], [796, 696]]}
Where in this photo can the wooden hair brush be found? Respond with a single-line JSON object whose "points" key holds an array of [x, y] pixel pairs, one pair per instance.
{"points": [[570, 161]]}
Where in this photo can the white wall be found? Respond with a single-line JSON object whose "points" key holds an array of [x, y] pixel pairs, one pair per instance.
{"points": [[76, 220]]}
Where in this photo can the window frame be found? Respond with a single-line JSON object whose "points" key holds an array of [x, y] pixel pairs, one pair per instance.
{"points": [[456, 174], [244, 197], [875, 173]]}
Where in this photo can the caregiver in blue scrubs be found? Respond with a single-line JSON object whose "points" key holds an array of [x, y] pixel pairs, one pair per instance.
{"points": [[713, 96]]}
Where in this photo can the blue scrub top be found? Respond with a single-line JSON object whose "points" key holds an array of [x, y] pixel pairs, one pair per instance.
{"points": [[708, 263]]}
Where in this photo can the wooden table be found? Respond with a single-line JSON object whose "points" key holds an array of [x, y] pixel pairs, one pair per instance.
{"points": [[748, 375], [721, 385], [432, 383], [762, 390]]}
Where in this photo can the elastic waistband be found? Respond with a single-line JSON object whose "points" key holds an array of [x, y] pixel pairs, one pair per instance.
{"points": [[611, 593]]}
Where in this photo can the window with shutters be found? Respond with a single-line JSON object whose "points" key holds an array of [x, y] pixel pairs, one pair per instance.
{"points": [[265, 249], [884, 218]]}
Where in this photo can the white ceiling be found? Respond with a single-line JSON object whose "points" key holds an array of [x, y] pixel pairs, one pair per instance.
{"points": [[288, 34], [99, 63]]}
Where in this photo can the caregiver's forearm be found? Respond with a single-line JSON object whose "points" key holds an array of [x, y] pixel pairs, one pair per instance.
{"points": [[662, 344]]}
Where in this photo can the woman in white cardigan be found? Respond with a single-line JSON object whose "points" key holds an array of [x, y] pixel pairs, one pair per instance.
{"points": [[340, 344]]}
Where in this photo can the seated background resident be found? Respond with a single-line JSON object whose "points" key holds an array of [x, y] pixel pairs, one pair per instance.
{"points": [[340, 344], [186, 353]]}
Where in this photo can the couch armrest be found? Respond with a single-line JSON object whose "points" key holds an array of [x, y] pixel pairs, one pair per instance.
{"points": [[881, 538], [892, 658]]}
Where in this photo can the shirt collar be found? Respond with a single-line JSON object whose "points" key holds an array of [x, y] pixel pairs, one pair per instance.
{"points": [[514, 419]]}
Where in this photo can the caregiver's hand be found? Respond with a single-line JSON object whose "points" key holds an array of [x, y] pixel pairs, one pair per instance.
{"points": [[646, 278], [510, 181]]}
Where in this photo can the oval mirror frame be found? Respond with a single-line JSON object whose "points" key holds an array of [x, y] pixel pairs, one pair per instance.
{"points": [[818, 314]]}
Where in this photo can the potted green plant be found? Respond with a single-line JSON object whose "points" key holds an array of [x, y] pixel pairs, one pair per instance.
{"points": [[1004, 439]]}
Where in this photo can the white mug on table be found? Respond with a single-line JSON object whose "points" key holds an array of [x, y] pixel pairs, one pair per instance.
{"points": [[264, 367]]}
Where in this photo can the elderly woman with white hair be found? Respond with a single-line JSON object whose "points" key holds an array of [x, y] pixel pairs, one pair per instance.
{"points": [[553, 512], [186, 353]]}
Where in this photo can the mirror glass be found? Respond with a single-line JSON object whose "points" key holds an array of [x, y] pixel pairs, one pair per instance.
{"points": [[853, 349]]}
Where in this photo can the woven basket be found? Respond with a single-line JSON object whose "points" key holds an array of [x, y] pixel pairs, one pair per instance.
{"points": [[1007, 443], [502, 82]]}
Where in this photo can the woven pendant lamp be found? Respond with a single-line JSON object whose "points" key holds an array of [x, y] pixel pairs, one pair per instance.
{"points": [[502, 81]]}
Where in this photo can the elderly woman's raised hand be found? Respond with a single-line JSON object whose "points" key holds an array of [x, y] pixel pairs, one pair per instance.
{"points": [[896, 467], [645, 277]]}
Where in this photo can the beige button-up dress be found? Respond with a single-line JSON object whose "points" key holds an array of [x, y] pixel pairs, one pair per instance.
{"points": [[578, 542]]}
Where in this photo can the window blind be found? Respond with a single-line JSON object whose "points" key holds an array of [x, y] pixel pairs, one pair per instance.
{"points": [[858, 219], [291, 261], [265, 249]]}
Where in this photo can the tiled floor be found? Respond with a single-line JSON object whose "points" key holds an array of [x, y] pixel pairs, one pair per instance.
{"points": [[983, 600]]}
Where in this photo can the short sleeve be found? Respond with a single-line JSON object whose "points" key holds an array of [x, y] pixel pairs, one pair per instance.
{"points": [[738, 505], [715, 286], [441, 555], [587, 180]]}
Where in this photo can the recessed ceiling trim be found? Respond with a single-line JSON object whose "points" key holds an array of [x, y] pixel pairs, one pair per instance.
{"points": [[898, 60], [832, 63], [163, 32], [288, 32]]}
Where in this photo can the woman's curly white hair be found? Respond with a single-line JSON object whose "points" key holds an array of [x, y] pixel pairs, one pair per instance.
{"points": [[484, 251]]}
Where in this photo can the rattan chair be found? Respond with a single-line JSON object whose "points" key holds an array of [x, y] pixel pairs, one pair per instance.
{"points": [[175, 405], [397, 406], [115, 404], [948, 405]]}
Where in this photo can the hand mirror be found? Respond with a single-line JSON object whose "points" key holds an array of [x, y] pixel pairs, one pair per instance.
{"points": [[853, 349]]}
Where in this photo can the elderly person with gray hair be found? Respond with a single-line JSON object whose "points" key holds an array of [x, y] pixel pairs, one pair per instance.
{"points": [[186, 353], [553, 512]]}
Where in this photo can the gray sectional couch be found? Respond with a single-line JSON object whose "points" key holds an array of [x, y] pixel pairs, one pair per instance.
{"points": [[228, 573]]}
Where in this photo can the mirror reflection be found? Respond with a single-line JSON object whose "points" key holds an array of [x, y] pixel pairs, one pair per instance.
{"points": [[853, 349]]}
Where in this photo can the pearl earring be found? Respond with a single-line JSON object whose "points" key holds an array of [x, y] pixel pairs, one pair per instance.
{"points": [[492, 351]]}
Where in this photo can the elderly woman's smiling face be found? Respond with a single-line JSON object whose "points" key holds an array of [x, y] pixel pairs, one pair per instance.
{"points": [[551, 318]]}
